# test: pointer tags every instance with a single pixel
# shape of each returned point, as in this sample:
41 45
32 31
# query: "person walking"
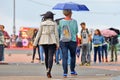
1 45
49 39
68 30
85 37
98 40
58 56
113 45
6 36
35 48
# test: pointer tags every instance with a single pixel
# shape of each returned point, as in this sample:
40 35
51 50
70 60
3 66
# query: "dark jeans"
49 53
104 51
34 52
1 52
71 46
97 50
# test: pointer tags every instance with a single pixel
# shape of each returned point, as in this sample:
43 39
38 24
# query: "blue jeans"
71 46
69 58
58 55
1 52
85 58
41 53
78 51
97 50
104 51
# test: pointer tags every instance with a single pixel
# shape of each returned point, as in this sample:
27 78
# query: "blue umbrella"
71 6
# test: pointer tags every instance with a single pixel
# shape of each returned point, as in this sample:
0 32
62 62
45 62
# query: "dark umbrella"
116 30
57 20
71 6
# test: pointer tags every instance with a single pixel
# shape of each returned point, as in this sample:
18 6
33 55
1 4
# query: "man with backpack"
85 43
113 45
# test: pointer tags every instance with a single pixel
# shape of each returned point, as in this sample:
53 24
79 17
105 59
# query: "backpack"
86 31
114 40
66 34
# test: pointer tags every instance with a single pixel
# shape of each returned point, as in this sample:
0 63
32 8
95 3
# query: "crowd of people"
64 39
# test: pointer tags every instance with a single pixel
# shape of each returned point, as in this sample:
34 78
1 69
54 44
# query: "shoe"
32 61
73 73
37 59
82 64
87 64
65 75
111 60
57 63
42 62
49 75
106 60
115 60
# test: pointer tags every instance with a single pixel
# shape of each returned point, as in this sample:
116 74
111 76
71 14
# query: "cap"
48 14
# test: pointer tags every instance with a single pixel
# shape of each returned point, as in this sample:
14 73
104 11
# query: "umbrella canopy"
108 33
57 20
116 30
71 6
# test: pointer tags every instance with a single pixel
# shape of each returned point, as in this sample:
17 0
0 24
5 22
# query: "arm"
38 36
56 35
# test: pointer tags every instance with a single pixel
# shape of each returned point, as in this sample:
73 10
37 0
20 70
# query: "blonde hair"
67 12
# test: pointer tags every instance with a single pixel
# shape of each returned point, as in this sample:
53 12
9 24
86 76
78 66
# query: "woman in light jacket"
48 39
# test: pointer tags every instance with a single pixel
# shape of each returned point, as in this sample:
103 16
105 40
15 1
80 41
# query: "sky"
103 14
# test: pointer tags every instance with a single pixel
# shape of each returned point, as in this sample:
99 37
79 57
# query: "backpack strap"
86 31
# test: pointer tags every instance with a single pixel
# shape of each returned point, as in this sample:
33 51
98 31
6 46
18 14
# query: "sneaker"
57 63
82 64
111 60
65 75
115 60
87 64
73 73
32 61
42 62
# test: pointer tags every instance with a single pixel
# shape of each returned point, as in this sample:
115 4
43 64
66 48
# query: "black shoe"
111 60
115 60
49 75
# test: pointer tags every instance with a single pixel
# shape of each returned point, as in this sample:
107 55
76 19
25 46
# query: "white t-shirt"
85 36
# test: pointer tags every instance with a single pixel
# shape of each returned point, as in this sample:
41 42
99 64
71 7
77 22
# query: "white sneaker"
42 62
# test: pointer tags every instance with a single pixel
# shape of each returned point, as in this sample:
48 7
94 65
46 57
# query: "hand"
34 46
57 47
78 45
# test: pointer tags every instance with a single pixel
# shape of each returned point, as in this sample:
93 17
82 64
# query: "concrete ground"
19 67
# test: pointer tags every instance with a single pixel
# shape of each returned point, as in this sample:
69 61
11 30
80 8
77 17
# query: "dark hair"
44 18
99 33
48 15
83 23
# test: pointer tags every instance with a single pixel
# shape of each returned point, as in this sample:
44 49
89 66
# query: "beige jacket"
47 34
